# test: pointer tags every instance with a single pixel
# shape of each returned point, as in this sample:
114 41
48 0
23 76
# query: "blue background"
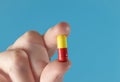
94 42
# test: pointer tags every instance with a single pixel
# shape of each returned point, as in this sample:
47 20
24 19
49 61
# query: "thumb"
55 71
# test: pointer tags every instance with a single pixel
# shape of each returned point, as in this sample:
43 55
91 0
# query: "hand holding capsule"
27 60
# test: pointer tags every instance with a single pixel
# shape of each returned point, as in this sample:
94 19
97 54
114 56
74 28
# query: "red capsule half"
62 54
62 48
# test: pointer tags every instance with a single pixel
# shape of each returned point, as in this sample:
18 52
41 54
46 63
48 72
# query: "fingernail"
63 24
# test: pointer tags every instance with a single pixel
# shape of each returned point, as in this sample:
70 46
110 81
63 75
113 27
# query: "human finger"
55 71
32 43
16 64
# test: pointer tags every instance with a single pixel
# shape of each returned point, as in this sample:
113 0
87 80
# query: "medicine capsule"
62 48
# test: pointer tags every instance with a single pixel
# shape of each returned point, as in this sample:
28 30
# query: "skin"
28 59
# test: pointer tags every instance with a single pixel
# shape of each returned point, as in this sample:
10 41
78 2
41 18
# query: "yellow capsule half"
61 41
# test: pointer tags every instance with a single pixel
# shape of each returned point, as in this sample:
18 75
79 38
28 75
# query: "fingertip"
61 28
60 67
54 71
63 65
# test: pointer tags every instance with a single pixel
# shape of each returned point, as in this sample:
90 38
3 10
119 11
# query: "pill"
62 48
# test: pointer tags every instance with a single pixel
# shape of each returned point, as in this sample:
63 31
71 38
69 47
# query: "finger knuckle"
19 58
32 36
31 33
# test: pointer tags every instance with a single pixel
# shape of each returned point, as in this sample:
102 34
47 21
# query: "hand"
28 59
